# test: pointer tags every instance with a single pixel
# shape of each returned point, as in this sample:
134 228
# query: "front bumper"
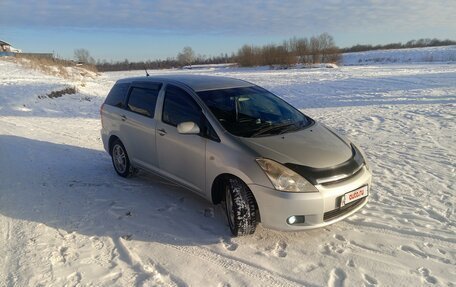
319 208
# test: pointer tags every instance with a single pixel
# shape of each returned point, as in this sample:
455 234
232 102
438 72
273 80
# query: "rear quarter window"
116 96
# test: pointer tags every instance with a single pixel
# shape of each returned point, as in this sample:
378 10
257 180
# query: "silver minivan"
235 143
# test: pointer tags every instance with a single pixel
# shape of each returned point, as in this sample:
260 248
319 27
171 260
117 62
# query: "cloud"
236 17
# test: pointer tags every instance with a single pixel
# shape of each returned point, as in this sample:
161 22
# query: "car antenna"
147 74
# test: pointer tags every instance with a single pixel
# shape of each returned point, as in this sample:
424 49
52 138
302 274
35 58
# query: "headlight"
283 178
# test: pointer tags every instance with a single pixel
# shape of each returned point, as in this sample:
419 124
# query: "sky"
158 29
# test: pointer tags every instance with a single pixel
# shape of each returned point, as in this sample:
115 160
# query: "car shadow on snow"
76 189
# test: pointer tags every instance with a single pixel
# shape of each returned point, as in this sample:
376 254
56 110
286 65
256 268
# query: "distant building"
6 47
7 50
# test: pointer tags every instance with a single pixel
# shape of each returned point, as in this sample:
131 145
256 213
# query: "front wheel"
240 207
120 159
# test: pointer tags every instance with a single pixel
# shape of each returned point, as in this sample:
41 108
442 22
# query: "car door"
181 156
140 124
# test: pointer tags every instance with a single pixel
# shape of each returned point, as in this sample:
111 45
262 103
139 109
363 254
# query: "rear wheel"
120 159
240 207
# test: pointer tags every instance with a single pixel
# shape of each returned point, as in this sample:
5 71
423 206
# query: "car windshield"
253 112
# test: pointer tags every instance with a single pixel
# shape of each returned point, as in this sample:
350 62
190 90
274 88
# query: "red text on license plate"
353 195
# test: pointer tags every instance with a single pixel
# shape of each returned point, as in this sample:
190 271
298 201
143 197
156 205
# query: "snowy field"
413 55
66 218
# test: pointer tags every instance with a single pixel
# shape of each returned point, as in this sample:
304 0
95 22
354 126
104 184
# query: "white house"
6 47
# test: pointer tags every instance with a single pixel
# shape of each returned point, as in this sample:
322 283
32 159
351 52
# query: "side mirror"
188 128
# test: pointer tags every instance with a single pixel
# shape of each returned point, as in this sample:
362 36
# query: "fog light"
295 219
291 219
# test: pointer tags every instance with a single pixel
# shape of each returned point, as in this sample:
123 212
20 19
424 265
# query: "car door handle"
162 132
123 118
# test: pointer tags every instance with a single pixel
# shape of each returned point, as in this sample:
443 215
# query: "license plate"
354 195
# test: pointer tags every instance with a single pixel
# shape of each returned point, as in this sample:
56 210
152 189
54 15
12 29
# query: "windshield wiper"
294 127
268 129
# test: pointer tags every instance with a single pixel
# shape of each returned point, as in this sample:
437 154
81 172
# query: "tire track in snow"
412 234
268 277
260 274
145 272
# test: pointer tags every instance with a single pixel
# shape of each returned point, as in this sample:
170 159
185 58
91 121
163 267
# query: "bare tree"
83 56
315 50
328 49
299 47
186 57
247 56
320 49
276 55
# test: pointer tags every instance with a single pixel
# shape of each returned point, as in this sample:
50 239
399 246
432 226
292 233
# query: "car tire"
120 160
240 207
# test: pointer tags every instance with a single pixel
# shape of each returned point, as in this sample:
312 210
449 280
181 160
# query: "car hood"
315 146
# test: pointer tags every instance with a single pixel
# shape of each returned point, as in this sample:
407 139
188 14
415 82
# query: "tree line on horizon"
306 51
317 49
168 63
420 43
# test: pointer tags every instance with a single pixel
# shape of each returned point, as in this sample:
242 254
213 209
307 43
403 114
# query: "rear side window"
142 101
180 107
116 96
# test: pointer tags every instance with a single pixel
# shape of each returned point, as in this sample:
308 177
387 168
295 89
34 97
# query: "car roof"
196 82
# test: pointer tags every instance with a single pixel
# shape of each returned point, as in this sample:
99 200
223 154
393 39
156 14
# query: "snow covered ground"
66 218
412 55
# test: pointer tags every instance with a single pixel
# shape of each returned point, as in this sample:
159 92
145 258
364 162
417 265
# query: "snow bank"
413 55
